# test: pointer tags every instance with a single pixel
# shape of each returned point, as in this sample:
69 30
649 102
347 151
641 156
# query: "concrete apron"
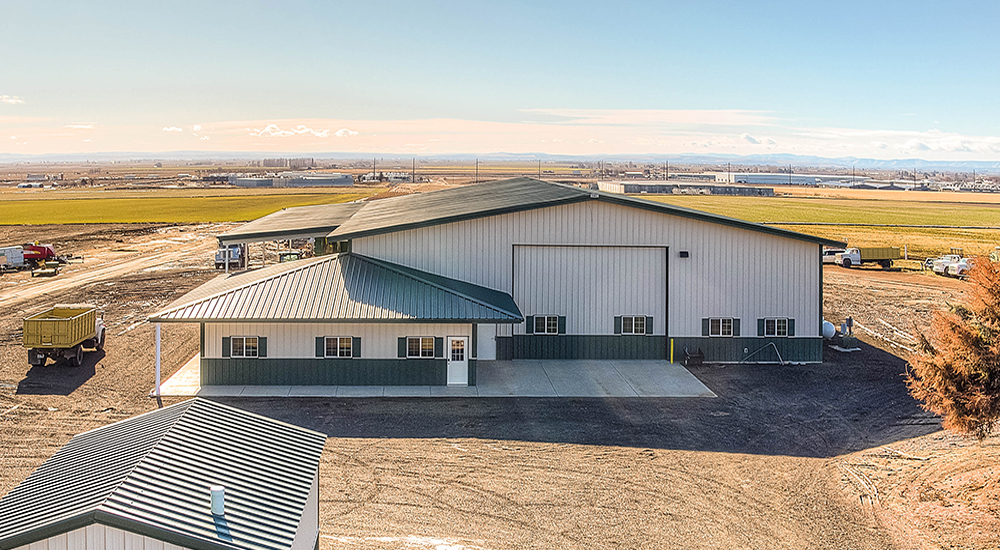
521 378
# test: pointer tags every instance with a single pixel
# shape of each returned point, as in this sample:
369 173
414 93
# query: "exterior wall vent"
218 500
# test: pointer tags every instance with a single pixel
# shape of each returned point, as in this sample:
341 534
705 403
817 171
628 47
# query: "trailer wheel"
100 341
847 263
77 359
886 264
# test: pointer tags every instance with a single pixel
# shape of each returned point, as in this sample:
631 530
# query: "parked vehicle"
860 256
11 258
61 333
236 255
289 256
830 255
995 255
960 268
944 261
36 254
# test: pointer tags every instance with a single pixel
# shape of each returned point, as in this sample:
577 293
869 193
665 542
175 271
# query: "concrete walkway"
550 378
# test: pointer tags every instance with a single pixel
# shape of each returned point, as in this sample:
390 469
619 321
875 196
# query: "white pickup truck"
940 264
959 269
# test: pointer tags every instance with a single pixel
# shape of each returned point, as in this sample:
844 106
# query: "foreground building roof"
151 475
293 223
513 195
341 288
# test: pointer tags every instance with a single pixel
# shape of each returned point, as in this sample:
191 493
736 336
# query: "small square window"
339 346
546 324
243 346
776 327
633 324
420 347
720 326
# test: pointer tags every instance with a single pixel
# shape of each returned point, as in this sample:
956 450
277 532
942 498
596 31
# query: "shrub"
956 373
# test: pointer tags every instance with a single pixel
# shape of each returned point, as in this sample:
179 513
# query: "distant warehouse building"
429 284
296 179
665 188
770 178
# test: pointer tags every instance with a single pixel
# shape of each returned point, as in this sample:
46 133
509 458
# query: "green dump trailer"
62 332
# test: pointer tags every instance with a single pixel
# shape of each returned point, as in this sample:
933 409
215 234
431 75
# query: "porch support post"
157 359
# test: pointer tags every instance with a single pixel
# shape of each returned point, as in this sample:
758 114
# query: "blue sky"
878 79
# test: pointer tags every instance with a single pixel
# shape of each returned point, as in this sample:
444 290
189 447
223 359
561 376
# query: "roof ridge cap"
391 267
317 260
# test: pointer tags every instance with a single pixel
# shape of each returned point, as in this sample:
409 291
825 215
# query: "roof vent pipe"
218 500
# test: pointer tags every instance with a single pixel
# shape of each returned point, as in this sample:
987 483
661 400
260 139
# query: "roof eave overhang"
510 320
459 218
258 236
48 530
712 218
139 528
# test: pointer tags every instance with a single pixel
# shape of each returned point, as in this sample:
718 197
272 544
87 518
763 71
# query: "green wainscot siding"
734 350
569 346
326 372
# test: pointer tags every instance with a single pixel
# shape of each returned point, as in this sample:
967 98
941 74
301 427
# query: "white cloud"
344 132
196 128
172 129
880 144
204 138
655 117
10 99
13 137
749 139
273 130
595 140
87 140
770 141
80 126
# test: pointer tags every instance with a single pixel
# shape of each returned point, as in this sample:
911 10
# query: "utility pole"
729 172
668 169
789 174
477 170
539 168
374 174
413 171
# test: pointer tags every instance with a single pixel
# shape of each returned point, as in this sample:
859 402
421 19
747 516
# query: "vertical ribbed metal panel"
731 272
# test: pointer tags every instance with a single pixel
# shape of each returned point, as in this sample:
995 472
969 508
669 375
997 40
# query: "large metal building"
543 271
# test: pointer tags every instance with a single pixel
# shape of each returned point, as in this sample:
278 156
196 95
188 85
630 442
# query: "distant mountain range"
708 159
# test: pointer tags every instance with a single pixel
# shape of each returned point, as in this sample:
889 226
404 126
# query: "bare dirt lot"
773 462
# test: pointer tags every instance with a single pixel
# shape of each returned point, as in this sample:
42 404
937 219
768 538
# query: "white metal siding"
591 285
731 272
298 340
308 529
100 537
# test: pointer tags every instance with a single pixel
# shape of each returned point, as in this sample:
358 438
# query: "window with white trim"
633 324
420 346
339 346
720 326
776 327
546 324
243 346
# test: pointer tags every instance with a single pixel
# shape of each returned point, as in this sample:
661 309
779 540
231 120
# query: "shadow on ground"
850 402
57 378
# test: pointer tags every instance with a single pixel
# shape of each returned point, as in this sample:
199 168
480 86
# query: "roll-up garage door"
591 285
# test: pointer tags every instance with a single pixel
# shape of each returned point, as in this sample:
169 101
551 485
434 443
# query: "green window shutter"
227 348
401 347
320 346
791 327
261 346
438 347
356 346
475 341
649 325
760 327
529 324
704 327
736 327
562 324
618 324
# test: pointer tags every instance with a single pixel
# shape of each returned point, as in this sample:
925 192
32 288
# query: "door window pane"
458 350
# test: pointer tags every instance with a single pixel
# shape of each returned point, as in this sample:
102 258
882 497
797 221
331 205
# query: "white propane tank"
829 331
218 500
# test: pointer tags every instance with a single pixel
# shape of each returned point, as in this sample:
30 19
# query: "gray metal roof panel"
341 288
296 222
513 195
151 475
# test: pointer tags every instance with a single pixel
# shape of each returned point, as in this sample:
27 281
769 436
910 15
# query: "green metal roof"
151 475
293 223
341 288
513 195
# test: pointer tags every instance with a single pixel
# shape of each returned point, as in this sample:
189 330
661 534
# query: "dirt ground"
785 457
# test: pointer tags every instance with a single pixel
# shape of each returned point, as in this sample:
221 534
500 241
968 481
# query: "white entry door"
458 361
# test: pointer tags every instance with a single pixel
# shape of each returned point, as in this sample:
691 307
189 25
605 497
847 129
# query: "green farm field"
158 206
920 242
